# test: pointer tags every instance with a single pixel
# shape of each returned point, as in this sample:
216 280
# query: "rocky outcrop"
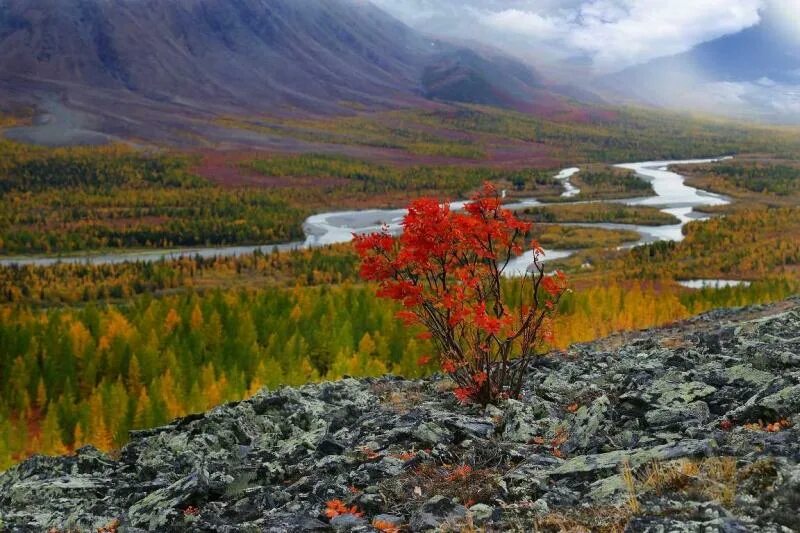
664 430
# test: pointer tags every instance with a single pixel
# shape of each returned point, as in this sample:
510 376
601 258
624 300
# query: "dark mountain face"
245 52
117 58
748 55
465 76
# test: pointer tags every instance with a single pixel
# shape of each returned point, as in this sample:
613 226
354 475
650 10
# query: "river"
672 195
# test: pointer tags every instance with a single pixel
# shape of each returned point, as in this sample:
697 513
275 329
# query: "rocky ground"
689 428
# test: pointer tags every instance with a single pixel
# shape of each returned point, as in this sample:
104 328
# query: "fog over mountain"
144 67
754 73
736 57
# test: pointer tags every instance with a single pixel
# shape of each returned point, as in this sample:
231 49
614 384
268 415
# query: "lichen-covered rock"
611 461
785 402
692 413
161 507
432 434
673 391
349 522
524 421
482 513
435 512
588 420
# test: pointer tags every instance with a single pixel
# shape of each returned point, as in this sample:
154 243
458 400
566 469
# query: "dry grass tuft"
585 520
465 525
714 479
674 343
463 482
446 385
630 485
398 398
757 477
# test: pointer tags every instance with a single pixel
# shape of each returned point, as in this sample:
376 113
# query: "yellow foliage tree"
52 441
143 417
169 395
196 318
172 320
100 436
80 338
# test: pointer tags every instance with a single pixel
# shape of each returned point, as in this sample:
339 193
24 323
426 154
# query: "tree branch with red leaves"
447 270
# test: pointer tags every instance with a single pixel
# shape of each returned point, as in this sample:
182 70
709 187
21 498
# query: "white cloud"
620 33
785 15
613 34
573 40
526 23
776 102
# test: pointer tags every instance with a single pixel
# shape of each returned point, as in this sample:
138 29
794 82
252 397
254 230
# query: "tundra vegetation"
149 342
93 351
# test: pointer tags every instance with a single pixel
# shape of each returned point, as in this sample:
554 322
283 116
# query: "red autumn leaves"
334 508
446 269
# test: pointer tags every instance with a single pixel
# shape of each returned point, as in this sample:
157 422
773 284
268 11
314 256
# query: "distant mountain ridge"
752 73
129 62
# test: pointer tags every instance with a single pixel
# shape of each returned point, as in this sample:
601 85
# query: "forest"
752 181
85 343
604 183
754 244
610 184
75 199
766 177
474 133
68 283
365 177
748 245
88 374
93 351
599 212
79 199
385 130
619 135
68 200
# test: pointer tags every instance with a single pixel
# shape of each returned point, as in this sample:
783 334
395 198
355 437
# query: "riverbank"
673 197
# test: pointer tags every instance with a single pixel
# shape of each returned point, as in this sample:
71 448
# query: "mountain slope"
755 72
129 63
284 51
694 398
466 76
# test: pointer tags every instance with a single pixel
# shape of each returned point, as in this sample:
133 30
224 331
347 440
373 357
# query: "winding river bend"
672 196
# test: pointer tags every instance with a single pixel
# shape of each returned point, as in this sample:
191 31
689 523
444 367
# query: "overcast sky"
602 35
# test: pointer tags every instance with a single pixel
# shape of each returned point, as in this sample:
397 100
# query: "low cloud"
526 23
581 41
621 33
772 102
610 34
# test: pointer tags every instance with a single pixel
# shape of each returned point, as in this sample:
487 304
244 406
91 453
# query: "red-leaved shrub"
334 508
447 271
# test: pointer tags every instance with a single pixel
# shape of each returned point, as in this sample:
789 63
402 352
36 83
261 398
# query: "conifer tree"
52 438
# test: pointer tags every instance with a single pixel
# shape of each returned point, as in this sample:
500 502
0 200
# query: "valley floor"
686 428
